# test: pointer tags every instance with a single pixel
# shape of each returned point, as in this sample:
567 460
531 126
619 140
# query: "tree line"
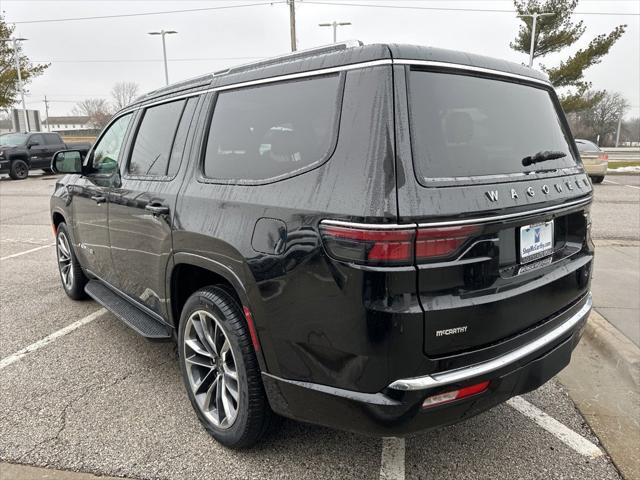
100 110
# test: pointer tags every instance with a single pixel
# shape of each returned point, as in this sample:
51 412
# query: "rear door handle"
98 199
156 208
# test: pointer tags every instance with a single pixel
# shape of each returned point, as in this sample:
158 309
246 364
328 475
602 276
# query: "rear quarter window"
272 131
469 126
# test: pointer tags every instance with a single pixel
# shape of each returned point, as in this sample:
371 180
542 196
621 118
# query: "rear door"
37 151
502 244
142 205
53 142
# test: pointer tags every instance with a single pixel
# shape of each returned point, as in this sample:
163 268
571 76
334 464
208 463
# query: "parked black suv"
21 152
379 238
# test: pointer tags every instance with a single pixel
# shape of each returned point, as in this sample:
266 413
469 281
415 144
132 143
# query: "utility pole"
618 132
16 56
46 110
534 17
335 26
292 24
164 51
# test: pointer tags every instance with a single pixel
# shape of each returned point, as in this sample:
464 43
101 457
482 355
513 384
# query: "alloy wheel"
64 260
211 369
21 170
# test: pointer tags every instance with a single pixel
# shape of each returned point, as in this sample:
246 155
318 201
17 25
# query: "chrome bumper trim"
459 375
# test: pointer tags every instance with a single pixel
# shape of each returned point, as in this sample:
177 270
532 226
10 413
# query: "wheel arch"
189 272
20 156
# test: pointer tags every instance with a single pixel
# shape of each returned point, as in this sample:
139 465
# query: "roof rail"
309 52
173 87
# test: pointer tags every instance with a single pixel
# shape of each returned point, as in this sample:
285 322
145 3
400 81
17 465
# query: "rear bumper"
397 410
597 168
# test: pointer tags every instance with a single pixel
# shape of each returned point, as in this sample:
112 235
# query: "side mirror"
67 161
32 144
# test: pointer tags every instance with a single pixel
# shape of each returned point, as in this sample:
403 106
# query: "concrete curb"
612 342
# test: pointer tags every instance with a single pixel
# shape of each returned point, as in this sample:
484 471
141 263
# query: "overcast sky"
88 56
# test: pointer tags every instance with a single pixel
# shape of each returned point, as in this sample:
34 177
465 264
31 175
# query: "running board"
141 322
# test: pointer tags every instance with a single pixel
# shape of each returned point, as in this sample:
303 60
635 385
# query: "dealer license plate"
536 241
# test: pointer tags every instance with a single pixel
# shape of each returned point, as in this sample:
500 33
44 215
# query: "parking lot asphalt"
100 399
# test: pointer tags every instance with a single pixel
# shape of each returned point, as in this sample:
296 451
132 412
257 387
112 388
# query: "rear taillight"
447 397
369 246
401 246
441 242
604 157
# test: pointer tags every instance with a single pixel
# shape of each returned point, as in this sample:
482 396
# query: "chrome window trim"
311 73
341 68
448 223
262 81
457 66
462 374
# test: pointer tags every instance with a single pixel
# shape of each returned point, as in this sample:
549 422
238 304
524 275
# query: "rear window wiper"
542 157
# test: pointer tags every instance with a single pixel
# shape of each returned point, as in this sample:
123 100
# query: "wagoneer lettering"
336 234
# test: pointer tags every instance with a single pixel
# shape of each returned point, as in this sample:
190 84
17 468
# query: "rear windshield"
586 146
464 126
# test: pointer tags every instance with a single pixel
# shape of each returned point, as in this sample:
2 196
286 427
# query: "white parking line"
392 459
621 184
27 251
14 357
572 439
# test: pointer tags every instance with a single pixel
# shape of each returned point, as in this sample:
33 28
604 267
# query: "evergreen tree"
8 74
555 33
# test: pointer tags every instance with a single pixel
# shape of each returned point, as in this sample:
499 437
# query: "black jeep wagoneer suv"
379 238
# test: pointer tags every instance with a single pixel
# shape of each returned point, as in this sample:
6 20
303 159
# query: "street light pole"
16 56
534 17
335 26
292 24
164 51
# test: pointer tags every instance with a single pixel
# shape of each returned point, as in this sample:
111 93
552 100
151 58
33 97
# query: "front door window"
107 150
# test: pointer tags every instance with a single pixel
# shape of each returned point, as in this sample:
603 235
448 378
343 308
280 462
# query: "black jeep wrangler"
380 238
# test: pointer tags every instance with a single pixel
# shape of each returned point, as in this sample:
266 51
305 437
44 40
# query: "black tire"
75 280
254 416
597 178
19 170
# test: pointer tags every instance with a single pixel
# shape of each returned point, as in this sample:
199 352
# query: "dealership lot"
101 399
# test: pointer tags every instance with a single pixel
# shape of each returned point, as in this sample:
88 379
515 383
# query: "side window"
152 146
51 139
265 132
181 136
107 150
36 140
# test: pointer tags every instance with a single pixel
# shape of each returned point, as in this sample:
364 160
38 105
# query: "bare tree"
600 121
123 93
603 117
97 109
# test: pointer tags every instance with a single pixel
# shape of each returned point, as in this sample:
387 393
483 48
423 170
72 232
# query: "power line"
449 9
147 60
142 14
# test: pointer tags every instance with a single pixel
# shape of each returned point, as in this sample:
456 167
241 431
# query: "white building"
65 124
